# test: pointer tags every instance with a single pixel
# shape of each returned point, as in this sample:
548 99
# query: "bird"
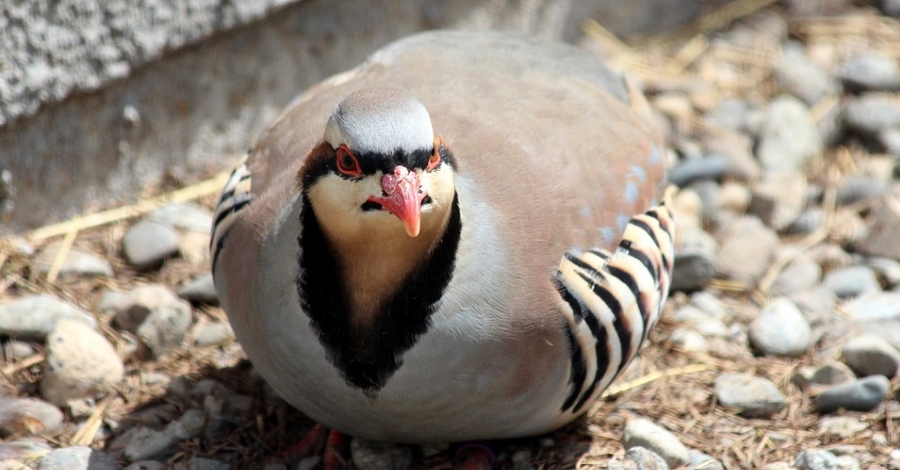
461 239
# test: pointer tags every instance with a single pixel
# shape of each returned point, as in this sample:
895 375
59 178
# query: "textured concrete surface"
51 48
99 99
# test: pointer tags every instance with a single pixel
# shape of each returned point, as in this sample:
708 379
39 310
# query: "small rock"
873 306
77 262
380 455
201 290
701 461
709 304
695 260
147 244
871 114
129 313
688 340
869 72
147 443
309 463
829 256
28 416
644 433
790 139
78 458
780 329
889 140
688 209
113 302
200 463
808 221
158 317
80 363
871 355
194 248
700 321
857 188
730 113
748 248
164 329
712 167
81 408
737 149
734 347
14 349
146 465
645 459
777 466
764 28
815 459
848 226
886 330
521 460
23 449
887 269
735 197
779 199
843 426
816 304
801 77
891 8
799 275
862 395
34 317
183 215
832 373
616 463
881 239
754 397
852 281
211 334
708 192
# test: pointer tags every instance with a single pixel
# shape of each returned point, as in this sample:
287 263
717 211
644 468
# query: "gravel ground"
779 349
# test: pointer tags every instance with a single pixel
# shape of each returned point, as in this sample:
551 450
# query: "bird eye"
434 161
347 162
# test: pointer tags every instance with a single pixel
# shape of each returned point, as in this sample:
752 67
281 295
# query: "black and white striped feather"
235 197
611 301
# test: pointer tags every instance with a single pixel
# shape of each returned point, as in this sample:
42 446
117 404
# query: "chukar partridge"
457 240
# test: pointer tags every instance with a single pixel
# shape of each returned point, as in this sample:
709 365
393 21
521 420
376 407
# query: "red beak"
403 198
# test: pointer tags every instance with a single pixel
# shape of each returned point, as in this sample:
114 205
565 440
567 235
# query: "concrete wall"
99 99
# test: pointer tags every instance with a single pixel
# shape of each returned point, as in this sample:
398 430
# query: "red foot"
335 450
335 447
311 444
474 456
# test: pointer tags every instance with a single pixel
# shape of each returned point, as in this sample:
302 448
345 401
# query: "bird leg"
335 451
312 443
474 456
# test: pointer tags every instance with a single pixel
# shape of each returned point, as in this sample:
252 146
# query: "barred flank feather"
611 301
235 196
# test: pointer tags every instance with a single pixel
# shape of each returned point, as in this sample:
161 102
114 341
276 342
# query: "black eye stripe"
372 163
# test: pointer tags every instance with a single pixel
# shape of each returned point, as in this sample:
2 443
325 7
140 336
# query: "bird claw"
474 456
312 443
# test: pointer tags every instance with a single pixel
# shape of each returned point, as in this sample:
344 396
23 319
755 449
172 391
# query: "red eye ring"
434 161
347 162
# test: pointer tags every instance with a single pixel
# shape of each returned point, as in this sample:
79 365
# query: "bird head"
380 169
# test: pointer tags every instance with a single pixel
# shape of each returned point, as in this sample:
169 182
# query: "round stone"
753 397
